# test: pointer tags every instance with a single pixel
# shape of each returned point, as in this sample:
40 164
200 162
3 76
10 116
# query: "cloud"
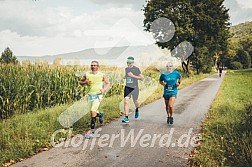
239 11
245 3
40 30
29 19
38 46
45 28
134 4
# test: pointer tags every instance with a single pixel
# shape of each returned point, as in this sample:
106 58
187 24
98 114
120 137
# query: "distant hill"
111 56
241 30
83 54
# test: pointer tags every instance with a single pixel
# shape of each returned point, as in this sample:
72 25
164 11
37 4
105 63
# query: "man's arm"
162 83
179 81
161 80
107 84
84 80
139 76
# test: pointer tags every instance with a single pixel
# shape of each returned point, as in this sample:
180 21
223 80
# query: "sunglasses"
93 65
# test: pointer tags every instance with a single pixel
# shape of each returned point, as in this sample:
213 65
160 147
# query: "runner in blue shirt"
170 79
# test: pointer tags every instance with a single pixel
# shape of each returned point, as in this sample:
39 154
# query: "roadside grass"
23 135
227 135
27 134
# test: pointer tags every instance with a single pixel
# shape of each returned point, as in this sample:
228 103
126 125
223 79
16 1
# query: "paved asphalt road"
154 142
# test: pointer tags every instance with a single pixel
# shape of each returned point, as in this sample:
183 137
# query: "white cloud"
25 18
35 30
245 3
239 11
37 46
32 28
134 4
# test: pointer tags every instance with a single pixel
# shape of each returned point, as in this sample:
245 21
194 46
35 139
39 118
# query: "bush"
207 68
8 57
243 57
236 65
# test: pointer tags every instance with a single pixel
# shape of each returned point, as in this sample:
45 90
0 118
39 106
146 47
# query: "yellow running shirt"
96 82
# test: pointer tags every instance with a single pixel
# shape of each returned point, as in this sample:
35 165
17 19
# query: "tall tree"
246 43
8 57
227 58
243 57
203 23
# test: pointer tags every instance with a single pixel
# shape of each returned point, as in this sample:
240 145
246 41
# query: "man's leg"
126 110
135 95
93 119
136 104
99 114
166 99
137 110
171 108
94 105
167 109
126 106
90 133
127 92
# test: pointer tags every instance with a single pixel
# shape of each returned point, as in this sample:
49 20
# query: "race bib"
93 97
170 88
129 80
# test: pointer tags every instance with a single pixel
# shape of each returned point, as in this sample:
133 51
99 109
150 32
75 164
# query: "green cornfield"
24 88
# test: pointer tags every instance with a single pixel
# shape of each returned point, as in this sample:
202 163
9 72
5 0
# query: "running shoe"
168 120
136 113
101 117
171 120
89 134
125 120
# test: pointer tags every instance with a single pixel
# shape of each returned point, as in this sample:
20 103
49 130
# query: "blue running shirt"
171 79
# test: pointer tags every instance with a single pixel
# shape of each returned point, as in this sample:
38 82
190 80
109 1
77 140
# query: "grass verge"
226 136
30 133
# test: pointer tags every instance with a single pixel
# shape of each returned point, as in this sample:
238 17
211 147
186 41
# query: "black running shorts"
134 92
167 97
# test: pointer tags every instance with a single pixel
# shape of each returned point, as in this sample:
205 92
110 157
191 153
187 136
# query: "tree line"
239 53
205 24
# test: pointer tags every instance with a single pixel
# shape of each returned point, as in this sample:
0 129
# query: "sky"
50 27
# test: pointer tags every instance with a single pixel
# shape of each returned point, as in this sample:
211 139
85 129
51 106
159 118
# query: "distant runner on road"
220 71
170 79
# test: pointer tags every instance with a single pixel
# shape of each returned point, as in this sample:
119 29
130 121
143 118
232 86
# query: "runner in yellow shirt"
94 80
